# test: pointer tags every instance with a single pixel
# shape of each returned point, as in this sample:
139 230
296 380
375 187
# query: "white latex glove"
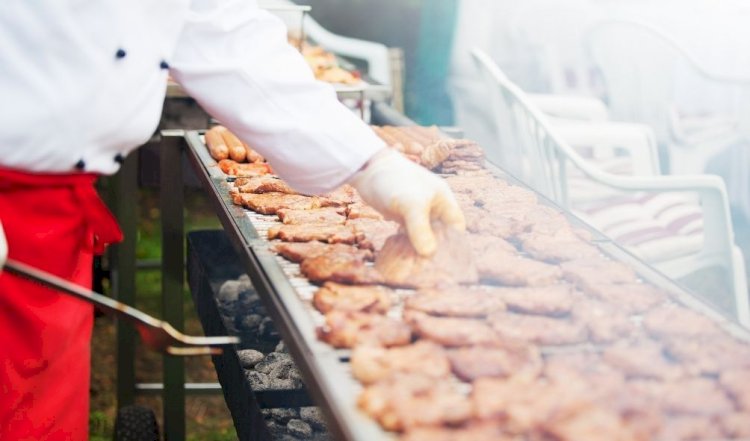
3 247
409 194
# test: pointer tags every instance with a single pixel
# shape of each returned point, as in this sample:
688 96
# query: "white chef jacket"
82 84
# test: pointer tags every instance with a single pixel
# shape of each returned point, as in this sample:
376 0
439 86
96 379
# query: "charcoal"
251 322
245 283
299 428
276 430
314 417
229 291
296 376
281 347
267 330
258 380
283 416
281 384
249 357
281 371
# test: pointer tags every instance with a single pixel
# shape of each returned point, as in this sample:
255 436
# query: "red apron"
55 223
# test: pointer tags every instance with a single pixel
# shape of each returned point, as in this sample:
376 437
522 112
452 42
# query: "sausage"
252 155
237 151
217 148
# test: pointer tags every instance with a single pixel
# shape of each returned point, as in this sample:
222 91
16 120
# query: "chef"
82 84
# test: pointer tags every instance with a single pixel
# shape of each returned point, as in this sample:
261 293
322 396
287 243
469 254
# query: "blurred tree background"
424 29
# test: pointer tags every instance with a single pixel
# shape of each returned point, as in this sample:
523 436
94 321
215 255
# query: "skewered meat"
350 329
538 329
270 203
674 320
372 233
410 400
263 184
299 251
586 273
372 363
642 359
344 267
552 300
508 359
452 263
476 431
737 384
632 298
328 216
606 322
310 232
451 332
334 296
455 302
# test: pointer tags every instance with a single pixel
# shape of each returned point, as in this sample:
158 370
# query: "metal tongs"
156 334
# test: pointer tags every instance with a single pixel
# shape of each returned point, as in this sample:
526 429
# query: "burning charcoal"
229 291
299 428
258 380
283 416
314 417
249 357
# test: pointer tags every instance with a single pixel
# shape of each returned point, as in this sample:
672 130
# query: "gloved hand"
3 247
409 194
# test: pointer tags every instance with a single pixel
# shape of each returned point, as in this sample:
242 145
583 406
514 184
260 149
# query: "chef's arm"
234 59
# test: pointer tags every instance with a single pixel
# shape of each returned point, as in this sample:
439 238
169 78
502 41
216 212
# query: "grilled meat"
350 329
538 329
508 268
685 428
736 425
475 431
672 320
343 196
328 216
508 359
270 203
455 302
310 232
606 322
372 233
346 267
737 384
588 273
642 359
334 296
299 251
558 247
631 298
373 363
263 184
552 300
451 332
362 211
708 355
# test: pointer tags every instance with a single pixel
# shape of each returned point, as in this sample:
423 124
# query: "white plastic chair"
638 63
548 159
375 54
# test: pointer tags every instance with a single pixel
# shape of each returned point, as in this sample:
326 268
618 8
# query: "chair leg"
742 301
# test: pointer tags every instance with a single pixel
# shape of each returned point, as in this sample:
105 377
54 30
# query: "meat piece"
452 263
372 233
631 298
263 184
350 329
558 247
406 401
372 363
692 396
538 329
435 153
593 424
215 143
737 384
562 367
455 302
474 185
709 355
299 251
310 232
481 222
482 244
477 431
552 300
674 320
345 267
736 425
451 332
642 359
508 268
344 195
362 211
335 296
270 203
233 168
508 359
688 428
328 216
586 273
606 322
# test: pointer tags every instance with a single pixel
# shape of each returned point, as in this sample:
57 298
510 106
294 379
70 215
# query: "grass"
207 416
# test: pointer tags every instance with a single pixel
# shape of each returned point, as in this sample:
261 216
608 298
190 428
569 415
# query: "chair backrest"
530 148
638 64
